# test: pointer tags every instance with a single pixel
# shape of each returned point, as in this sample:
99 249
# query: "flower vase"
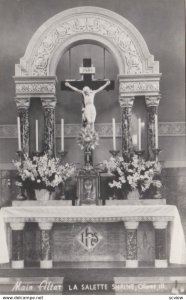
42 194
133 195
62 196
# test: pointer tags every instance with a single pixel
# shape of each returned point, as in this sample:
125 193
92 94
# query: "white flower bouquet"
135 174
43 172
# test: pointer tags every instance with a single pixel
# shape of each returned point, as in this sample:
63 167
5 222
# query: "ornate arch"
35 75
79 23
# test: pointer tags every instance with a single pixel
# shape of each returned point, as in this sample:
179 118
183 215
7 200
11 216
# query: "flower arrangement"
135 174
88 139
43 172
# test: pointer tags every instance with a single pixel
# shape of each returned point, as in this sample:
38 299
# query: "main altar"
96 234
44 225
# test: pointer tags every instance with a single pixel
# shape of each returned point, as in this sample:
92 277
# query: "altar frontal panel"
99 242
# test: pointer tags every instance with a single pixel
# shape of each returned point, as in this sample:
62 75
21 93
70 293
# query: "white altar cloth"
73 214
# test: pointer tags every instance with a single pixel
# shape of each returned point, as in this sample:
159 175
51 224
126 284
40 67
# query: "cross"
87 73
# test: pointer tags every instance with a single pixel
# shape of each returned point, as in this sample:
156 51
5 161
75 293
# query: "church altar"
163 217
89 231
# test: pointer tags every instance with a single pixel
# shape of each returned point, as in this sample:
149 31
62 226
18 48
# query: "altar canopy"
138 72
177 253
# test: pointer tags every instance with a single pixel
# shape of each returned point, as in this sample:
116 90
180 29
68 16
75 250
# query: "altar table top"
74 214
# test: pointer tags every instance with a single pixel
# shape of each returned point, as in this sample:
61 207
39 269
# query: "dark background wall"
161 22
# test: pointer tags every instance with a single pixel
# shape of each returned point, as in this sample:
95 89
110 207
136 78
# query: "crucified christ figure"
88 110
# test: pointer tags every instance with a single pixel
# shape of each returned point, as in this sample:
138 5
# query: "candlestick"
114 152
139 134
156 153
37 153
134 139
19 133
156 131
62 185
37 141
114 133
62 154
62 135
20 155
140 153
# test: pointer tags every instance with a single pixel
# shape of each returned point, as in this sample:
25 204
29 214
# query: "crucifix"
88 87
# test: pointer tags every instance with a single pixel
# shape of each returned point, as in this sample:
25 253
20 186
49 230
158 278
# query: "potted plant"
134 176
43 174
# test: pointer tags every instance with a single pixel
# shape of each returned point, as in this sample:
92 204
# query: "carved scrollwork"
49 121
48 103
85 219
126 130
151 112
147 86
22 103
45 245
131 244
126 102
101 26
32 88
24 120
152 100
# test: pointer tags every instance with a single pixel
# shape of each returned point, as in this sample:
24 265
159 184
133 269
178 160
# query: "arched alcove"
87 23
68 102
138 73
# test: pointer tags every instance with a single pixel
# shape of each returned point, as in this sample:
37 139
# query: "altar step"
118 266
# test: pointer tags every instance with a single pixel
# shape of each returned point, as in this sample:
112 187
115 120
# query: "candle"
156 131
37 141
62 134
139 134
114 133
19 133
134 139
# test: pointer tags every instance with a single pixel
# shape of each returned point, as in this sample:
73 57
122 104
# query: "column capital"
17 226
152 100
160 224
131 225
22 103
49 102
45 225
126 102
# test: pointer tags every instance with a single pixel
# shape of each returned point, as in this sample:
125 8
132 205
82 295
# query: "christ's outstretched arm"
73 88
102 87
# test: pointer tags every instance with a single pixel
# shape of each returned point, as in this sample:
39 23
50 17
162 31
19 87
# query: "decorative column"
152 103
49 105
23 105
160 244
46 253
131 242
126 104
17 245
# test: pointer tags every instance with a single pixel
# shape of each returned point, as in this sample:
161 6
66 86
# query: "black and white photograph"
92 148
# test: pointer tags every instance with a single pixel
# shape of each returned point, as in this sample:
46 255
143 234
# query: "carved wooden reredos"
35 75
